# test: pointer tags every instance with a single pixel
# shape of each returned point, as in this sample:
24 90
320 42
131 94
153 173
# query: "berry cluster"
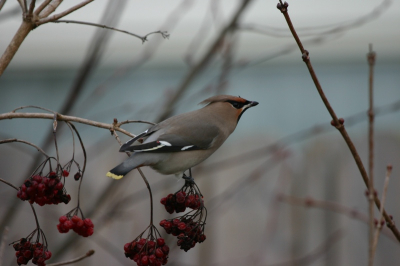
26 251
188 231
181 200
44 189
147 252
81 227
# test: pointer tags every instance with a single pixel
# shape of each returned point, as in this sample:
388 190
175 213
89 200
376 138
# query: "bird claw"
189 180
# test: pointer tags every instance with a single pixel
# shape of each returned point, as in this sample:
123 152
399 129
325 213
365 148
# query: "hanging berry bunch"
81 226
188 228
150 250
45 188
27 250
187 197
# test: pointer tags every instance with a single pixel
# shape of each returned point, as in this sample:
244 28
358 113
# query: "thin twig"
134 121
26 142
62 14
8 183
371 62
381 220
338 124
41 7
31 7
88 254
143 38
151 195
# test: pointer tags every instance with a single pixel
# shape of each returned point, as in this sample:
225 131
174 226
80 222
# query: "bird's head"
231 107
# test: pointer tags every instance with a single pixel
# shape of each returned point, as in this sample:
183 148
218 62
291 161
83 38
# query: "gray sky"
66 44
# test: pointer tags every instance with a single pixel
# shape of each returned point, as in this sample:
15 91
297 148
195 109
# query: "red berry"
75 219
145 260
151 244
68 224
28 254
165 249
182 226
127 247
152 259
59 186
48 254
163 201
159 253
77 176
88 222
65 173
62 219
160 242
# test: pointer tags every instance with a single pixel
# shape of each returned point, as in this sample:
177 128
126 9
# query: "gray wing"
192 138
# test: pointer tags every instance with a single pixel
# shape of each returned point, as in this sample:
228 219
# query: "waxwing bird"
183 141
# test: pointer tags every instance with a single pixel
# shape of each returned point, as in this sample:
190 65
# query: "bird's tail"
125 167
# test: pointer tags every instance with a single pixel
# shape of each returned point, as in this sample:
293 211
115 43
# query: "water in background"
288 99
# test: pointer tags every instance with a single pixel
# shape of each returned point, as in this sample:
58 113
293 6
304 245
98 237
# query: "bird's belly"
179 162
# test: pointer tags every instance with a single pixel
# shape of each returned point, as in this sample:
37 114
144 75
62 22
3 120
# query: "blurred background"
283 153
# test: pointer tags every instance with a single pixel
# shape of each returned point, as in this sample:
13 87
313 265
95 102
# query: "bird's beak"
253 103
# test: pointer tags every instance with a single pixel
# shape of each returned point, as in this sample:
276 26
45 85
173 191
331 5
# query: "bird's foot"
189 180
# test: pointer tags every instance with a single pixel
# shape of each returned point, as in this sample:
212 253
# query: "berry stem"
151 197
84 161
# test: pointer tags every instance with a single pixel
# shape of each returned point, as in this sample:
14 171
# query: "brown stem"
41 7
338 124
381 221
26 142
371 62
31 7
88 254
151 195
14 45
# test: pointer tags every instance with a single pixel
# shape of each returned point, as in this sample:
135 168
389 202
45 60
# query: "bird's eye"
237 105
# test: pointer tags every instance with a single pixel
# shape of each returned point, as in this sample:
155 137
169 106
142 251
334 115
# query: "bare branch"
88 254
61 117
336 122
164 34
14 45
62 14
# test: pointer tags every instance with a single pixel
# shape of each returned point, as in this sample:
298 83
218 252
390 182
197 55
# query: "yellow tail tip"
114 176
